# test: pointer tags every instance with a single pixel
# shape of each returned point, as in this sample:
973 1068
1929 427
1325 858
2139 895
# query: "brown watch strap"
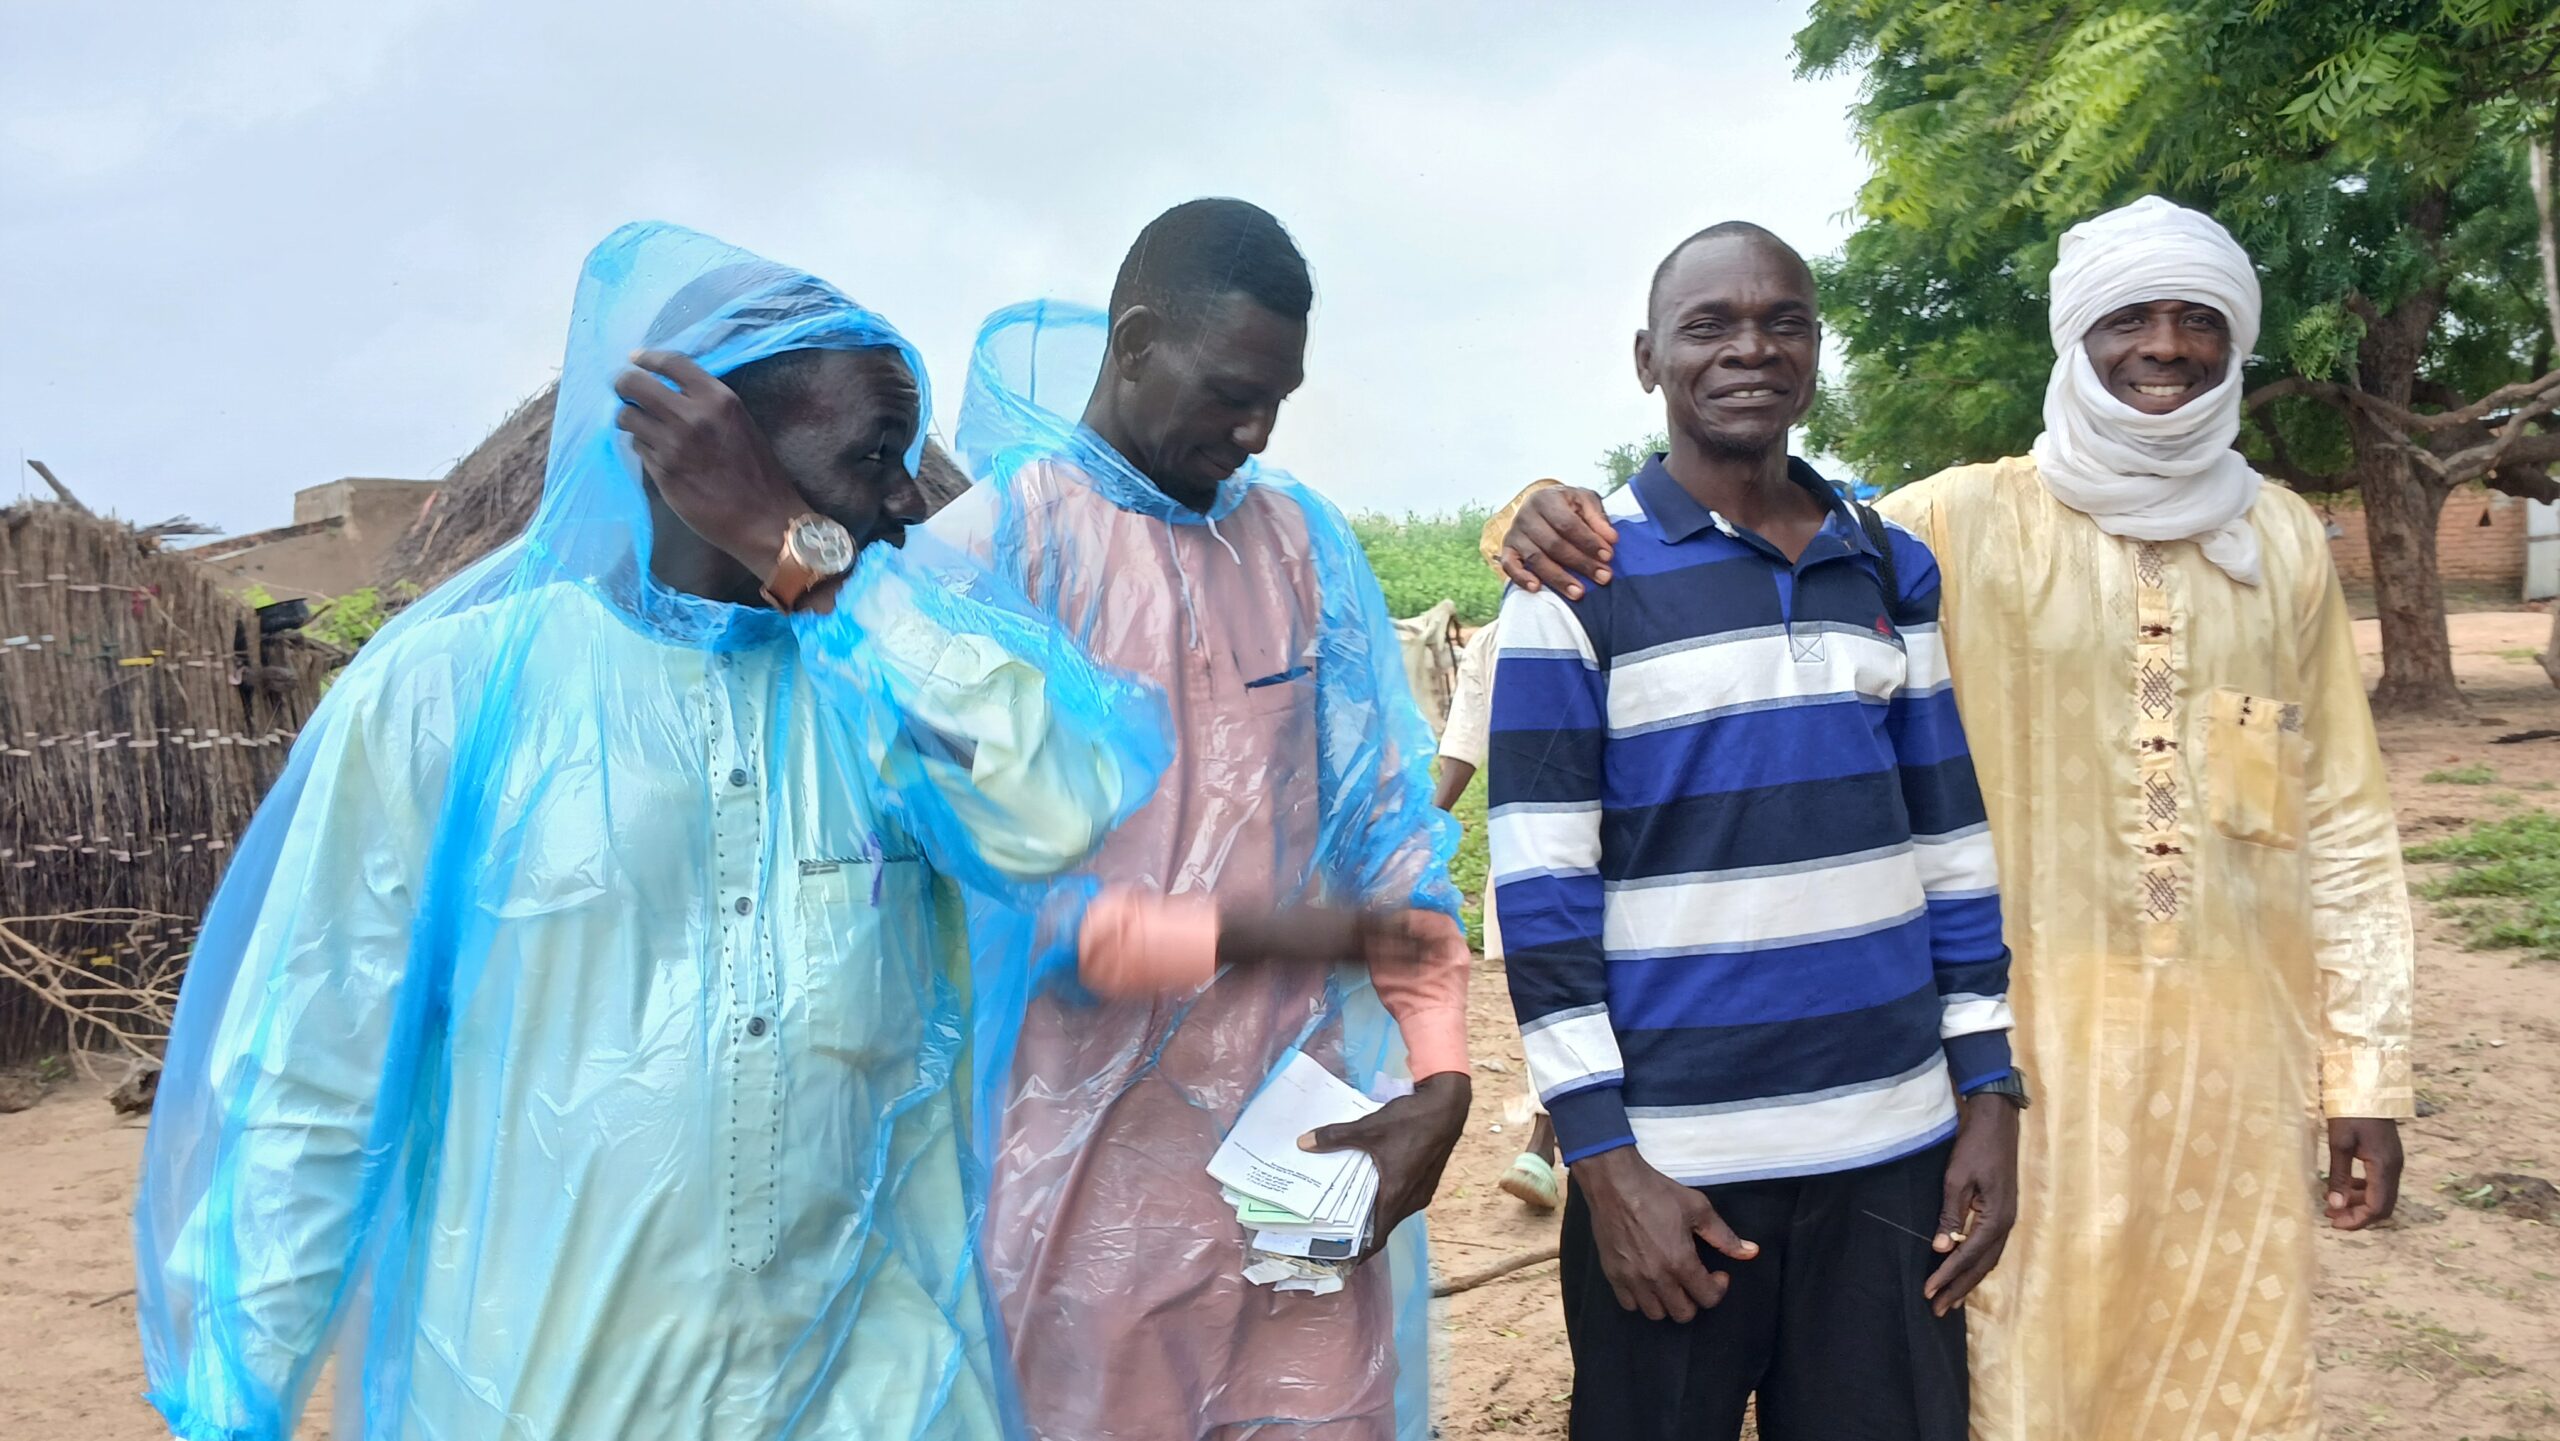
789 587
795 585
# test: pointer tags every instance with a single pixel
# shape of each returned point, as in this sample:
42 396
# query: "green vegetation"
2436 1352
1619 463
2470 775
1423 560
1469 866
350 620
2505 883
346 622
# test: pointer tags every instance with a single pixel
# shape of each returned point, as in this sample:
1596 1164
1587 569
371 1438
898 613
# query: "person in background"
1532 1177
1753 928
2206 895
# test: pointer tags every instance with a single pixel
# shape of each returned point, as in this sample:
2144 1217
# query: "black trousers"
1826 1325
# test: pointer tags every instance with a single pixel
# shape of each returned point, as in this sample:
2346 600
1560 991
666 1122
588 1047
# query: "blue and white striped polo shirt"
1746 888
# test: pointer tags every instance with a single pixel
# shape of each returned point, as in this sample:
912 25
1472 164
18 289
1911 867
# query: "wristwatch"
2011 1087
815 552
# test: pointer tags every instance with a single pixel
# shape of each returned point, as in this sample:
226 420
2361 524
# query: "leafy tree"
2373 156
1619 463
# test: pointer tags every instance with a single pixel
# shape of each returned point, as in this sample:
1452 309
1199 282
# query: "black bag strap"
1873 524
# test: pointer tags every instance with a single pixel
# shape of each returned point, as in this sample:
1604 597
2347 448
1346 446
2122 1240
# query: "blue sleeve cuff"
1590 1121
1977 1060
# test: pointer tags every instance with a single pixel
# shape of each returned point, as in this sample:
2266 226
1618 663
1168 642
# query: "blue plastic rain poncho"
1301 772
578 1041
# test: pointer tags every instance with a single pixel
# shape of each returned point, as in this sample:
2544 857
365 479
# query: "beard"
1736 444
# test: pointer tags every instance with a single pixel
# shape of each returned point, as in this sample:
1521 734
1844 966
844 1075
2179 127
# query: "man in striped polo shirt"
1752 923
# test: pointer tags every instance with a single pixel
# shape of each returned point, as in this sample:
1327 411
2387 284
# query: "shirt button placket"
754 1113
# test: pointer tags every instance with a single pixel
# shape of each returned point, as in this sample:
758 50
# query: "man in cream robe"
2211 935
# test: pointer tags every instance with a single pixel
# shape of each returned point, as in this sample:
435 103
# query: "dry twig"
1495 1272
61 492
119 1001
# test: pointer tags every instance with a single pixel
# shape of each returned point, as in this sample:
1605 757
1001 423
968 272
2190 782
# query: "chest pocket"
864 929
1278 690
2254 761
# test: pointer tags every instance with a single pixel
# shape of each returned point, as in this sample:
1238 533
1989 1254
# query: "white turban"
2151 477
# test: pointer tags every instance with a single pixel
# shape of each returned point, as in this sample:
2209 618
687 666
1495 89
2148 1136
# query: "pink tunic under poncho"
1116 1261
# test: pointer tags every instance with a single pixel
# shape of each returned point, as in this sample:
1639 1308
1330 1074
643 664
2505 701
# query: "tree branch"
2378 414
61 492
2525 470
2527 397
2525 482
2328 392
2510 444
2484 452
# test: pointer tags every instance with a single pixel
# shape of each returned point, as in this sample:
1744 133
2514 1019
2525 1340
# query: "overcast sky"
248 248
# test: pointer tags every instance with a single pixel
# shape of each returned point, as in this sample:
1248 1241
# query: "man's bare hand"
1647 1228
1981 1205
1410 1138
2364 1171
1561 535
709 459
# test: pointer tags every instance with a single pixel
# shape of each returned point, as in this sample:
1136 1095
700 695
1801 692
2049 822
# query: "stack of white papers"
1308 1210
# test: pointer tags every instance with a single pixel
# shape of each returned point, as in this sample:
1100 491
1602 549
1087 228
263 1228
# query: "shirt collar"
1679 516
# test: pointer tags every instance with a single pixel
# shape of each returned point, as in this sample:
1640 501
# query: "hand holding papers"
1308 1210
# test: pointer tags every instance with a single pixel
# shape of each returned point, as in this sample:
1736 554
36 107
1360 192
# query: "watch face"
823 545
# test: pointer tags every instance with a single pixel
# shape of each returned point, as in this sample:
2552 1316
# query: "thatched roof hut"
143 712
490 496
484 501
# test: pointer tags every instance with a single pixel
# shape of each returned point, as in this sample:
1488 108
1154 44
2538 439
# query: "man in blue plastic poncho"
1300 773
579 1037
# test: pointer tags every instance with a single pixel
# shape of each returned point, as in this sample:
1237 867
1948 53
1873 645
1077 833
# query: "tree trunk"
2401 504
2539 156
2400 512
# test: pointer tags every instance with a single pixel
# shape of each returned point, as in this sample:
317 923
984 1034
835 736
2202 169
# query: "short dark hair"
1200 251
1721 230
772 387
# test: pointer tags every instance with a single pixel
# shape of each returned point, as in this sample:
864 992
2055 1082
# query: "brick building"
2481 538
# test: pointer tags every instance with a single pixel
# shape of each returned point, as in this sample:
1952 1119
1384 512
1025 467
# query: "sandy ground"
2445 1326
